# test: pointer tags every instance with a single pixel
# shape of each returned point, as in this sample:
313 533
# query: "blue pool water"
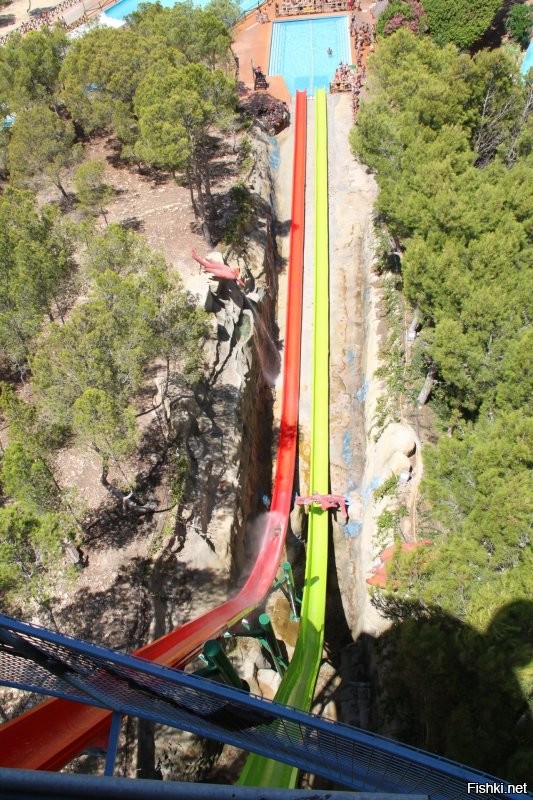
527 63
299 51
124 7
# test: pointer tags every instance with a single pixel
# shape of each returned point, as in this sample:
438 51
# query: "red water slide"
54 732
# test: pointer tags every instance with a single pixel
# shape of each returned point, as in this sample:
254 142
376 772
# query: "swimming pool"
121 9
527 63
299 51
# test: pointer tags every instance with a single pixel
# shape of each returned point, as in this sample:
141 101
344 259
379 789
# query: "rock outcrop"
226 425
226 428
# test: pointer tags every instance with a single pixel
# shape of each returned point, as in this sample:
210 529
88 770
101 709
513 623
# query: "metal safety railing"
24 784
40 660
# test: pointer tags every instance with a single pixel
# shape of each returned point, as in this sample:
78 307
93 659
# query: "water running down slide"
53 733
298 685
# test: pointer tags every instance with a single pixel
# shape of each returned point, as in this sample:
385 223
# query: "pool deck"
251 38
252 43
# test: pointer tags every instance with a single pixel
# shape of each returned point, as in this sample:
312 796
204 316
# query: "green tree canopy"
176 108
519 22
42 144
104 345
36 267
119 250
28 479
27 468
30 547
228 11
449 138
107 341
199 35
101 422
29 67
460 22
465 230
100 75
402 14
92 193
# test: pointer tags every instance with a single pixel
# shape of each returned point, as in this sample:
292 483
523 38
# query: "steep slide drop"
53 733
297 687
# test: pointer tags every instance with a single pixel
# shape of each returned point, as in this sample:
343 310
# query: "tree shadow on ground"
174 588
110 526
148 598
113 617
258 228
337 634
132 224
282 228
434 682
441 685
116 160
223 159
39 12
494 35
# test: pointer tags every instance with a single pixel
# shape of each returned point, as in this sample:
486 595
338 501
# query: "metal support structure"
325 501
18 784
112 745
293 598
36 659
266 637
208 671
272 643
217 659
286 585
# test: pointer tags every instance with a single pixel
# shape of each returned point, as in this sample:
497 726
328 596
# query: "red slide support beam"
56 731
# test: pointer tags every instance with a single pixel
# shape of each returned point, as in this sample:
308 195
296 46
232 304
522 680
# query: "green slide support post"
298 685
217 659
286 586
265 636
272 643
291 591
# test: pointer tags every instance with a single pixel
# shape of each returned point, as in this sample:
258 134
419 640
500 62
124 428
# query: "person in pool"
330 51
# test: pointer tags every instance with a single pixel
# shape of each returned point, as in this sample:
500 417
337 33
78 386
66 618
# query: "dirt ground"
158 207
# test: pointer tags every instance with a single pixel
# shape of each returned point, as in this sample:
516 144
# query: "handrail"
287 9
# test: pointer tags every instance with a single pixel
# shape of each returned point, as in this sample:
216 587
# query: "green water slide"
298 685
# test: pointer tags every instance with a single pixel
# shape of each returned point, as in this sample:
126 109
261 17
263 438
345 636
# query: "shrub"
518 23
460 22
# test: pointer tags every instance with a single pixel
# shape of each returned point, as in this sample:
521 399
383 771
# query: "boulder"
268 681
396 464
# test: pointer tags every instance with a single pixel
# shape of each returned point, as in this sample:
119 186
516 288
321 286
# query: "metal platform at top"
28 785
40 660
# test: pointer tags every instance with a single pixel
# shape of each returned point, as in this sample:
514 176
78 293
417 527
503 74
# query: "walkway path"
19 12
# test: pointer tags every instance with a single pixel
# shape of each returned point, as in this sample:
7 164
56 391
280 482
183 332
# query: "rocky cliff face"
225 430
227 425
